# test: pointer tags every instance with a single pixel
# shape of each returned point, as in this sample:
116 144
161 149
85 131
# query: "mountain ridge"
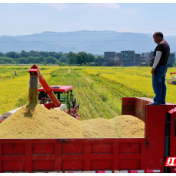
95 42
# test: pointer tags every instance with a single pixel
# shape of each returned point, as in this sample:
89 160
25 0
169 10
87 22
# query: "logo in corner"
170 162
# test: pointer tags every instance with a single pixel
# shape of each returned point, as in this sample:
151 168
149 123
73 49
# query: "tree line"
42 57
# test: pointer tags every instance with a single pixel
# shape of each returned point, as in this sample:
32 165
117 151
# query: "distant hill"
96 42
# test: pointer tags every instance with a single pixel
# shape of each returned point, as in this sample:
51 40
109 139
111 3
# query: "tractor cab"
64 94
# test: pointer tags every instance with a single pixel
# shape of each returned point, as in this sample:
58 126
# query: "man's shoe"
153 103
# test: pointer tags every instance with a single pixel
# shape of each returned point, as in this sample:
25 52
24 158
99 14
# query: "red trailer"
147 154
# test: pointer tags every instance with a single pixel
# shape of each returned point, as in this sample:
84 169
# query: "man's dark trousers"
158 83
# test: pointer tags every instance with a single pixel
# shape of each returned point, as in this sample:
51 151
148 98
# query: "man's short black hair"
158 34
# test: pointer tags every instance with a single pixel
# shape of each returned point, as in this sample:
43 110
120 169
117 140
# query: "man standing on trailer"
159 68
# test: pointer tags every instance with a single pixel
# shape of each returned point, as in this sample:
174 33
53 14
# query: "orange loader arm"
34 71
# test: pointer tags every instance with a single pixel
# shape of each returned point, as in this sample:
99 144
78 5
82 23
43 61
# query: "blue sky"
30 18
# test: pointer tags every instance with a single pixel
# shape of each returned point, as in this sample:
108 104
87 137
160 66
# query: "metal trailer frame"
98 154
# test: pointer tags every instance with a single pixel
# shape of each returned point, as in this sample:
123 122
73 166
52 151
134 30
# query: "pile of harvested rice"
120 126
38 122
35 121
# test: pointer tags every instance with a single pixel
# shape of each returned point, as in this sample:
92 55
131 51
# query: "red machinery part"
48 90
34 71
77 116
1 121
74 112
59 88
33 81
173 73
48 105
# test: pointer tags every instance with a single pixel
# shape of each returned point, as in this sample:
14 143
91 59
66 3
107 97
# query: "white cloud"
104 5
65 6
125 30
59 6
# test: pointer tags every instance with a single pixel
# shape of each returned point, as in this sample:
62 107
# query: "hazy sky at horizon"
30 18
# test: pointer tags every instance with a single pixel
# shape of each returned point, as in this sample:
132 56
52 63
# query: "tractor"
173 81
65 95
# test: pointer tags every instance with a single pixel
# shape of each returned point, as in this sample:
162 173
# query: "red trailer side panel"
155 119
155 136
72 154
135 106
173 133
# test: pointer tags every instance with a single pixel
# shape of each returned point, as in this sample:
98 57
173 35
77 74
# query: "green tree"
53 54
81 57
150 63
1 54
44 54
90 57
58 55
50 60
2 60
12 54
23 60
44 63
32 53
63 59
31 60
37 60
24 54
17 55
41 58
6 60
72 57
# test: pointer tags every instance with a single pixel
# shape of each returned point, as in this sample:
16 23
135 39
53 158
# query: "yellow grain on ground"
35 121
